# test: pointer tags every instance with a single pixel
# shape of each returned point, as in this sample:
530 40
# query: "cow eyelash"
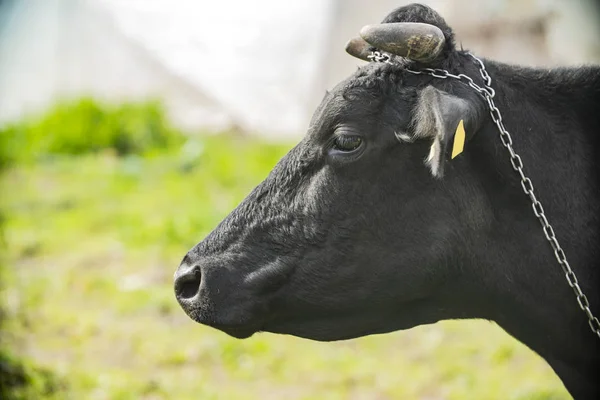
346 143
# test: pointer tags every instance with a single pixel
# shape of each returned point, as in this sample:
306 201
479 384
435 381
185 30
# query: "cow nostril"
187 285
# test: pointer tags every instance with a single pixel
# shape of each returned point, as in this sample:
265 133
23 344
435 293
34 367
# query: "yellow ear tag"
459 139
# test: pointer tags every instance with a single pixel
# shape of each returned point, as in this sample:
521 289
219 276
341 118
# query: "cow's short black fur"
338 245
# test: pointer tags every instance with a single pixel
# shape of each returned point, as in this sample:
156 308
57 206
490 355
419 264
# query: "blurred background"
130 128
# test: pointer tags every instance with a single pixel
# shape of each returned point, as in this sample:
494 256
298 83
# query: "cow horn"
413 40
358 48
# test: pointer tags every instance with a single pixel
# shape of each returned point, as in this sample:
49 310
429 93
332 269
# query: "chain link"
517 164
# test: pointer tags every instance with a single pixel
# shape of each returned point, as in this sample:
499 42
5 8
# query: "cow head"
363 227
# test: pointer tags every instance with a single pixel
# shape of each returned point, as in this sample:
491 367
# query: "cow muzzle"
211 295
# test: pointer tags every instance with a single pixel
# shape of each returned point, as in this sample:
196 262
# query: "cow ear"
444 119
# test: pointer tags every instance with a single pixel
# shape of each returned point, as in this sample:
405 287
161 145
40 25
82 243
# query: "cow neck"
539 308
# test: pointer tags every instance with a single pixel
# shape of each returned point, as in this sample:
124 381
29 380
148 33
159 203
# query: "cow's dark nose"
187 281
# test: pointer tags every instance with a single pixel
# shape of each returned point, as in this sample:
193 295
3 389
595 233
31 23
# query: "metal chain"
517 164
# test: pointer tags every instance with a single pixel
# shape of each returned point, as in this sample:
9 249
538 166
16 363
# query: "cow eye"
347 143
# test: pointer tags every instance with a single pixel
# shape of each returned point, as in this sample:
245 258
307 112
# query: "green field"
92 242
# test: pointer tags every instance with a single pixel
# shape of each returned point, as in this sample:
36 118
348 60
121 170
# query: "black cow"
369 225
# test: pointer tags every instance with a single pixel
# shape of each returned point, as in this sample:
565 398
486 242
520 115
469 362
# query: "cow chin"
237 332
321 331
351 324
331 330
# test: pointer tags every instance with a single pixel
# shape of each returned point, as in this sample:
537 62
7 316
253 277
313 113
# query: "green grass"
86 126
93 241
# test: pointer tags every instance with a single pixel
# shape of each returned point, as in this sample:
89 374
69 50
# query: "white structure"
259 65
54 49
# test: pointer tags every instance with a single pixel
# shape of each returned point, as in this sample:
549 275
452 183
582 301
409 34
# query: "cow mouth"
232 324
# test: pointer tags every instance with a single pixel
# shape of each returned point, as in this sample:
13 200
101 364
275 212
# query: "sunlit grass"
93 242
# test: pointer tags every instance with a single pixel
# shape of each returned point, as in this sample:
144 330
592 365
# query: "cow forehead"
361 97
